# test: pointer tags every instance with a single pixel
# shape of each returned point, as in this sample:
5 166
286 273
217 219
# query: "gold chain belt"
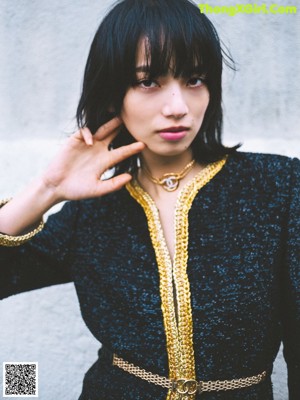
188 386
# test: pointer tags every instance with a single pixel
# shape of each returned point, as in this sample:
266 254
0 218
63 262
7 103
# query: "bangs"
164 55
168 50
175 39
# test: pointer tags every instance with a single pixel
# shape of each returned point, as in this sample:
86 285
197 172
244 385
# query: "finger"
107 128
83 134
113 184
77 135
109 138
121 153
87 136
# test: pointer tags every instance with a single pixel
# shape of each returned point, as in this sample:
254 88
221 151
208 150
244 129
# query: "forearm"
26 210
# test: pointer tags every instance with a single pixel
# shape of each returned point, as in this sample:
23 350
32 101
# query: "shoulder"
261 178
262 162
266 168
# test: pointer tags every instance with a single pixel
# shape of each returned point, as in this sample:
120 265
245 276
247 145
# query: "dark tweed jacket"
244 272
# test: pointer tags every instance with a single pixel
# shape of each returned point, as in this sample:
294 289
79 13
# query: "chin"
169 150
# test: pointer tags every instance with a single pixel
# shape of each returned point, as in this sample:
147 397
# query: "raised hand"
75 172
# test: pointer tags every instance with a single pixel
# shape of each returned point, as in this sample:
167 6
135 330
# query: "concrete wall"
43 48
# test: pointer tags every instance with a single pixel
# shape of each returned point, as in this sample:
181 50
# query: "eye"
147 83
195 81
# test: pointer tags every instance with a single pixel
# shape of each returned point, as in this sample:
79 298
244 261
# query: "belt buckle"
186 387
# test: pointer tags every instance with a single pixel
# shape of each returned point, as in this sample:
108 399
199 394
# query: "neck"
159 165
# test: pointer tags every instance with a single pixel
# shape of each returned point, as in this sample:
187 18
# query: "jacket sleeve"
42 261
291 282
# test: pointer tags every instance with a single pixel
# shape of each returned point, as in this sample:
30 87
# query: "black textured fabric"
243 267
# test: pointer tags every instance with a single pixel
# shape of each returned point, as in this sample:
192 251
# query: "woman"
189 274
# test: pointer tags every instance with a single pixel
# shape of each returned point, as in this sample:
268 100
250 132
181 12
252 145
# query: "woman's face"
165 113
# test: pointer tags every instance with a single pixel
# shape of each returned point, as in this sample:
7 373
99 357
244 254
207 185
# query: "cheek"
130 117
128 111
205 99
124 109
199 109
203 104
133 113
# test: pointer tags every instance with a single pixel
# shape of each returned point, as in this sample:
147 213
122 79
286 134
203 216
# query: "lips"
173 133
175 129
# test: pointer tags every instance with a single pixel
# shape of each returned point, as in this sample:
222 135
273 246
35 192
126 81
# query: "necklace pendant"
170 183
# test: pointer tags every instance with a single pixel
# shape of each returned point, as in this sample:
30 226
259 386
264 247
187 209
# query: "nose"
174 102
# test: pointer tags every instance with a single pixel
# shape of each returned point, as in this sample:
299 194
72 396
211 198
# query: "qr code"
20 379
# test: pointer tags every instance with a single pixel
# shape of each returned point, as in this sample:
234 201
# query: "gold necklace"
170 181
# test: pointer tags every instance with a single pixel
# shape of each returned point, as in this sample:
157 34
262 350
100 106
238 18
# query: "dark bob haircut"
178 35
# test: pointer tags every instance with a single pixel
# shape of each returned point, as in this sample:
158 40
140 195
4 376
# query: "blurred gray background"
43 47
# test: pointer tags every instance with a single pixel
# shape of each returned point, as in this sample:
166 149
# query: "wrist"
25 211
47 193
12 241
